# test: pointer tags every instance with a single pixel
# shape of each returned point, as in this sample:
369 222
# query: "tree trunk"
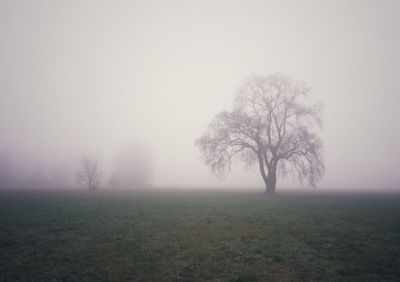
271 183
271 179
262 170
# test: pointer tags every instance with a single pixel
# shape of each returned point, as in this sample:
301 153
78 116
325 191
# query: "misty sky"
89 77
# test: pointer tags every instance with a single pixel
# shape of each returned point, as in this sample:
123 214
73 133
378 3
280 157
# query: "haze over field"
95 77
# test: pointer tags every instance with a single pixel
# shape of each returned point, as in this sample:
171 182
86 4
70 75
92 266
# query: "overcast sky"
91 76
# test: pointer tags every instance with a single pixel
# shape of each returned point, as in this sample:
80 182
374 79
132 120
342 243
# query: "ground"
198 236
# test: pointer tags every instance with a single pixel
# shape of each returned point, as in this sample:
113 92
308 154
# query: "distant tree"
272 125
89 174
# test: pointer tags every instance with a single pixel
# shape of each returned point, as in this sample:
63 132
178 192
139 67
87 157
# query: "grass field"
197 236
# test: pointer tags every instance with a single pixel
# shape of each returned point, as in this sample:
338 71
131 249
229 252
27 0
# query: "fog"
94 77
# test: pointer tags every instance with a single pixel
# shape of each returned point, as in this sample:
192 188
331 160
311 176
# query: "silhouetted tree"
271 125
89 174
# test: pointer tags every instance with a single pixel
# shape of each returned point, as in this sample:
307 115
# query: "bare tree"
271 125
89 174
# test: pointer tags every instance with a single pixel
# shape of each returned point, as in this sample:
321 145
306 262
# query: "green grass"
198 236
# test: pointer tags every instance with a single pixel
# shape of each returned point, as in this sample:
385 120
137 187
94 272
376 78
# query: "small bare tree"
271 125
89 174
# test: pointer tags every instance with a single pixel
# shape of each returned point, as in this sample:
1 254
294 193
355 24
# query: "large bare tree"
89 174
272 125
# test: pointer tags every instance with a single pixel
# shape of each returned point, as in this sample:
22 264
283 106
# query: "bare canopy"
272 125
89 174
